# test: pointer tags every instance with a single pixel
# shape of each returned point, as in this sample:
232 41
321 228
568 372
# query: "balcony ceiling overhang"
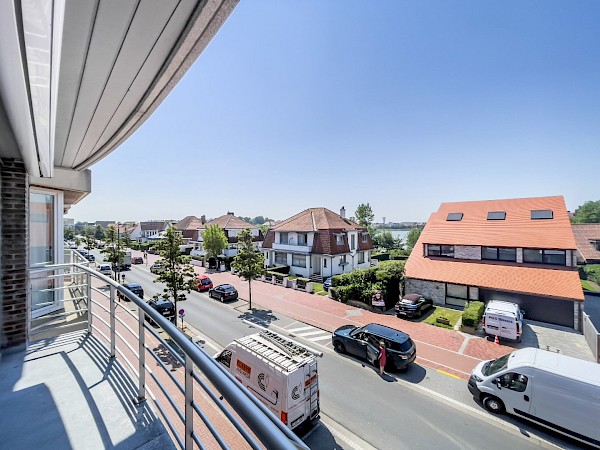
79 77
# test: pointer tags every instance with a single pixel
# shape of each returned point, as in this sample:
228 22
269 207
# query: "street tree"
69 234
364 214
113 249
412 237
589 212
178 275
249 264
214 240
89 242
99 233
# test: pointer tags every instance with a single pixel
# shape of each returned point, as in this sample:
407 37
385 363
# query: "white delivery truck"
503 319
553 390
279 371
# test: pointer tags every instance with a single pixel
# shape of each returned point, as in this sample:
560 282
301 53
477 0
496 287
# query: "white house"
318 243
231 226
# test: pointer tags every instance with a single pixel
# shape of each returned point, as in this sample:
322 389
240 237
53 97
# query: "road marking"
320 338
310 333
449 374
293 330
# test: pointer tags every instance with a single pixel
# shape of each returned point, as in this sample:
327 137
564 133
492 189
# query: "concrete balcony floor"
65 393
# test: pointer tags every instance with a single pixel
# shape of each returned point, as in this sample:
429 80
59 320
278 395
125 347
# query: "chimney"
343 212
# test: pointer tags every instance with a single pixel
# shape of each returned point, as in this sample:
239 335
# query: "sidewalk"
438 348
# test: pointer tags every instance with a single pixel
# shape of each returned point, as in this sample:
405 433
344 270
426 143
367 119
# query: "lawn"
452 315
317 287
588 286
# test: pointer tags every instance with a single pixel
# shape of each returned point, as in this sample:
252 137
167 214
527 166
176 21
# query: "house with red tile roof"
517 250
151 230
188 227
587 237
231 226
318 243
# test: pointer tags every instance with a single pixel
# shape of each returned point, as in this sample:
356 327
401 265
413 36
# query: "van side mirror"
497 382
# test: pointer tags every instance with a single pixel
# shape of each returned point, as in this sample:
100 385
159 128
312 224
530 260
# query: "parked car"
327 284
364 343
412 305
137 260
223 292
82 251
90 257
105 269
165 307
157 268
136 288
203 283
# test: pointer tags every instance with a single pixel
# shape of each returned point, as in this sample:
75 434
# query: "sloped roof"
154 225
517 230
313 219
584 233
188 223
230 222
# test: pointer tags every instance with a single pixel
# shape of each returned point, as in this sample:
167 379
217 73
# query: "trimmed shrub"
473 313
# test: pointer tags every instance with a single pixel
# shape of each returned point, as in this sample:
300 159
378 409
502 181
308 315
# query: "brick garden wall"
14 207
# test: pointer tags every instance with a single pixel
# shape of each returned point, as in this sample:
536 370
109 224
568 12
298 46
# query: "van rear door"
501 325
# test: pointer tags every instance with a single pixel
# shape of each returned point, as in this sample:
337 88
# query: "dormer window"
541 214
496 215
365 237
440 250
339 239
454 217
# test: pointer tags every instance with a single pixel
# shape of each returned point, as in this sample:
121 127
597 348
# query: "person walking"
382 357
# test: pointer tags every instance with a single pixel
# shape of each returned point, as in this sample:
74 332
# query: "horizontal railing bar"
101 306
170 424
101 333
127 327
167 370
169 397
210 427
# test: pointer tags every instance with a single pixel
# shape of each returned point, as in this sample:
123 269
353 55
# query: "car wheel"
222 298
339 347
493 404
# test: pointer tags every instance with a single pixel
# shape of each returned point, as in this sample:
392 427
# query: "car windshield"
356 332
133 286
496 365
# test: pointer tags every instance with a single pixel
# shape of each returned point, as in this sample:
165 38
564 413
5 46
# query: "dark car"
157 268
90 257
203 283
412 305
165 307
137 260
327 284
364 343
136 288
223 292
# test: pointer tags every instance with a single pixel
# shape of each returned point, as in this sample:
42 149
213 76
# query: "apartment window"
496 215
339 239
361 257
280 258
352 241
454 217
325 263
457 294
440 250
343 261
365 237
302 238
283 238
545 256
298 260
541 214
499 253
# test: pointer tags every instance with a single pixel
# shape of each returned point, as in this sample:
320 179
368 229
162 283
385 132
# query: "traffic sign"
181 313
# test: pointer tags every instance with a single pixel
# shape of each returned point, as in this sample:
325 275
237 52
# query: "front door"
514 389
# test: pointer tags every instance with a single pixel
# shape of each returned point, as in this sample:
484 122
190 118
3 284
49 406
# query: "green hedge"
590 272
473 313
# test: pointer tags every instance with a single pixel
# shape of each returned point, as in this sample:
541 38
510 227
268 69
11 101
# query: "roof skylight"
539 214
496 215
454 217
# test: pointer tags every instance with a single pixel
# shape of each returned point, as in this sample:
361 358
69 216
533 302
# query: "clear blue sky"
401 104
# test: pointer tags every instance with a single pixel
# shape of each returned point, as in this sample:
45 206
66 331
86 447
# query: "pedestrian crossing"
310 333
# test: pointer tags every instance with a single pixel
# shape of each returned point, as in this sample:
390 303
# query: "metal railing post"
189 401
113 321
88 293
141 358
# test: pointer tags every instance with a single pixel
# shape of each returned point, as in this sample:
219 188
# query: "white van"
503 319
280 372
553 390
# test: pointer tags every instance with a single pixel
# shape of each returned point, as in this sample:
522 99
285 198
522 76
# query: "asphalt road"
358 405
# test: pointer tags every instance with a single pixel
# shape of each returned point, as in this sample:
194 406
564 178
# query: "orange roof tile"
517 230
230 222
559 282
313 219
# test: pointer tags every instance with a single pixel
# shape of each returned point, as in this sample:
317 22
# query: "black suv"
364 343
136 288
412 305
165 307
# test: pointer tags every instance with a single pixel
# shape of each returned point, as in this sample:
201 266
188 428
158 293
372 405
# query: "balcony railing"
296 248
198 400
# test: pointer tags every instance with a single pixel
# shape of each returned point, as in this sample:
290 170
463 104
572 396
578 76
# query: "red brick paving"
438 348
